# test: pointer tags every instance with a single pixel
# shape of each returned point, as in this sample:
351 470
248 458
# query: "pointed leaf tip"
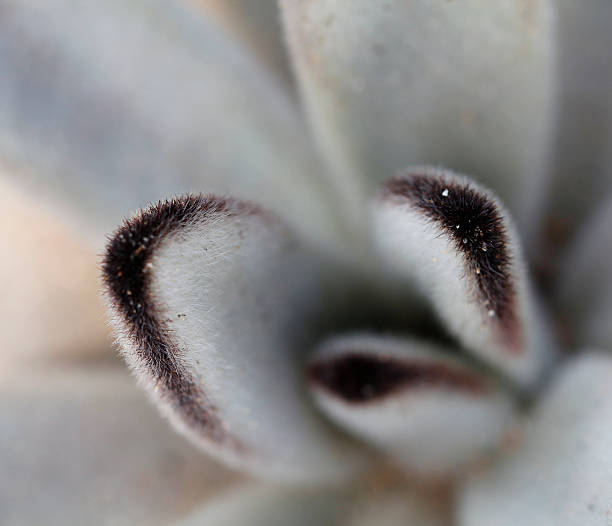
127 273
458 244
474 223
210 298
432 413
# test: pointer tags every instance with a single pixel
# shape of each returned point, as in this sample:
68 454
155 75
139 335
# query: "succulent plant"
374 278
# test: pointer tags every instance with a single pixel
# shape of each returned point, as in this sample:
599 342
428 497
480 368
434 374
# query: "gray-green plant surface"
371 275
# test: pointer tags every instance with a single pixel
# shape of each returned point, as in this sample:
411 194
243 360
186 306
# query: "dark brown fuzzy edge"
473 221
127 281
360 378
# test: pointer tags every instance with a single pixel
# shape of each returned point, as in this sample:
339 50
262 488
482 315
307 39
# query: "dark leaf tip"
361 378
473 221
126 274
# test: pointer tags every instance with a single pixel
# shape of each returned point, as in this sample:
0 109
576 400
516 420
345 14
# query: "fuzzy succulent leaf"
457 242
211 299
124 103
467 84
423 406
561 471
